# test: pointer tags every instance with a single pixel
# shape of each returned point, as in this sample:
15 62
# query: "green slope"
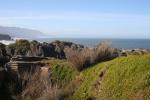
61 71
126 78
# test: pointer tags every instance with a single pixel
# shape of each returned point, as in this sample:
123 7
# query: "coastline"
7 42
122 44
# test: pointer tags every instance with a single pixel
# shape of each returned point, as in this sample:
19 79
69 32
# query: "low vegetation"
125 78
21 47
53 85
36 86
3 55
85 74
83 58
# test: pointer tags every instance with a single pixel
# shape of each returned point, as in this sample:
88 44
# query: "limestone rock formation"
54 49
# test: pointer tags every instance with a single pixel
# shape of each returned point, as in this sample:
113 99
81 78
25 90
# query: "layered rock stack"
20 64
54 49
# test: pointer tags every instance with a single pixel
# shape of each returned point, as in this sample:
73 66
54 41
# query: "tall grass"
38 87
82 58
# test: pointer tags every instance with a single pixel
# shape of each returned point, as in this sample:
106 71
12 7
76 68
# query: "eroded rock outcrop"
4 58
54 49
2 76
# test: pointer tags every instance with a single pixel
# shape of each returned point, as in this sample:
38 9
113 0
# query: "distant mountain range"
16 32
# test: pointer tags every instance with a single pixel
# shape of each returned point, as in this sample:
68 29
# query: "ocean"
116 43
90 42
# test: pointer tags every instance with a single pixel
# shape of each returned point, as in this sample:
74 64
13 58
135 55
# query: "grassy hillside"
61 71
126 78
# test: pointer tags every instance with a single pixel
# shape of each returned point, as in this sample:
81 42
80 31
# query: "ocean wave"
7 42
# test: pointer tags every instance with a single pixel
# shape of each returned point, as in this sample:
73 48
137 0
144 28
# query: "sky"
79 18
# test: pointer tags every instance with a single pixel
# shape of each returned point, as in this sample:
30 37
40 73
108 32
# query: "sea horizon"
121 43
115 42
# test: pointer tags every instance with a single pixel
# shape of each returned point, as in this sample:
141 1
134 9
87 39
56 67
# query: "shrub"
2 45
21 47
103 51
37 87
76 57
82 58
3 55
2 50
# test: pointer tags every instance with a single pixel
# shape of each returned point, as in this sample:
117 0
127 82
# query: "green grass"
126 78
63 74
61 71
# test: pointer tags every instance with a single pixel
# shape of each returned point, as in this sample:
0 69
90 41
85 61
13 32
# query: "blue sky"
79 18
